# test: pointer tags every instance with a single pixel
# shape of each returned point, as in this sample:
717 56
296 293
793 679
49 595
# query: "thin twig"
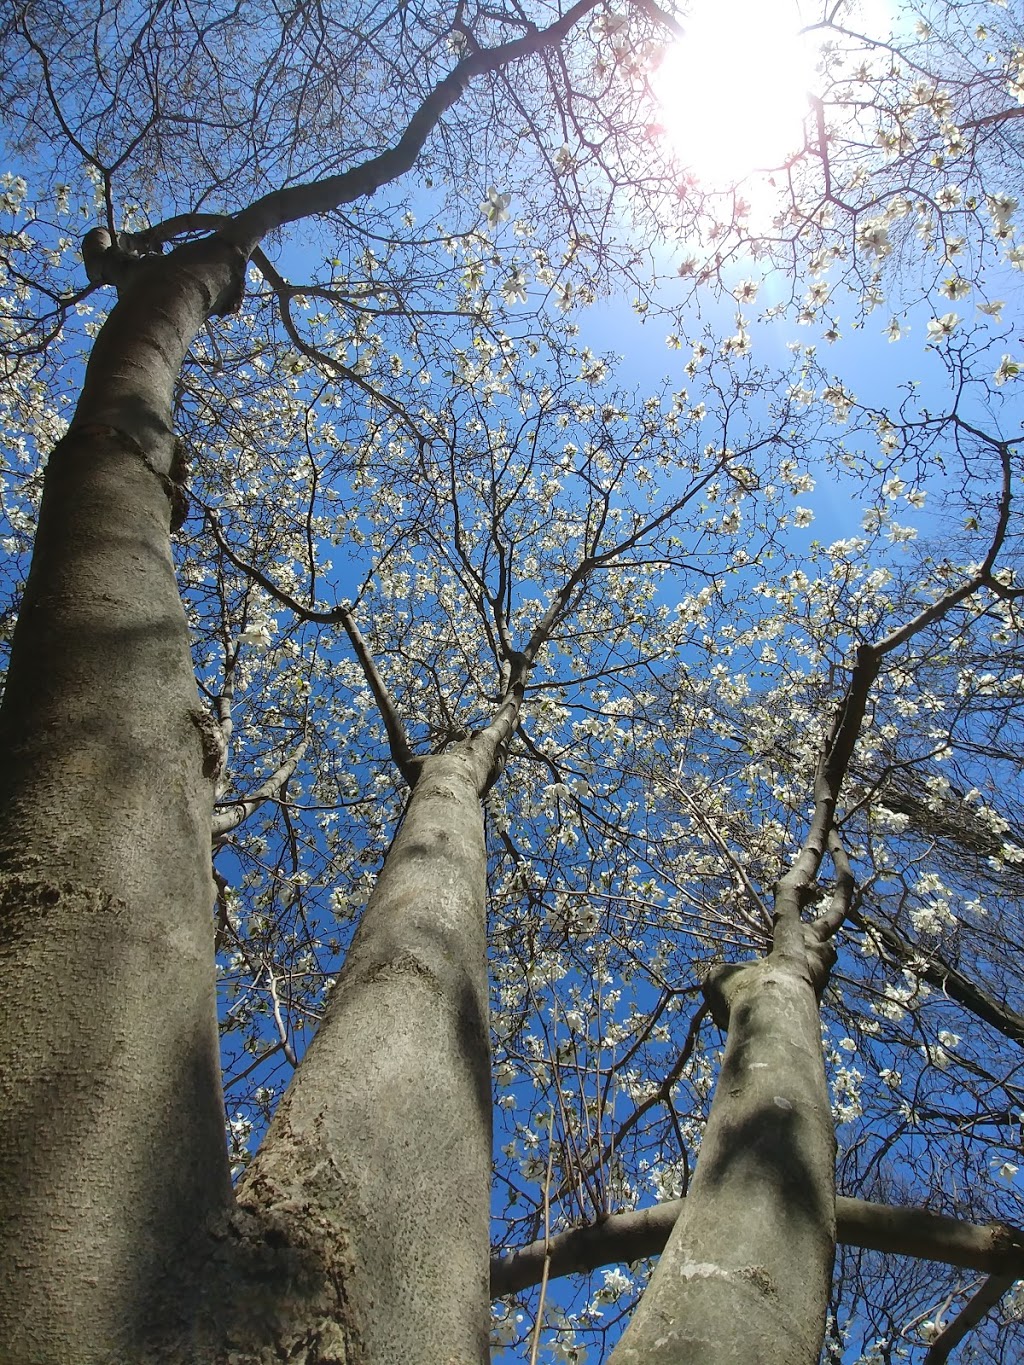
547 1238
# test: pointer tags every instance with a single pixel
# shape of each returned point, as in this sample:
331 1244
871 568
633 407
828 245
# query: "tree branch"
249 227
660 17
944 977
232 814
969 1316
401 750
996 1248
837 751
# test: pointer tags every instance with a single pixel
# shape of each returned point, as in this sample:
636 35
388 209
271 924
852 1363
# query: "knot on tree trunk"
114 258
821 958
724 983
120 259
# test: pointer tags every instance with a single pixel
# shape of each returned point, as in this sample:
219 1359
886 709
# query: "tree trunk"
377 1163
745 1276
112 1150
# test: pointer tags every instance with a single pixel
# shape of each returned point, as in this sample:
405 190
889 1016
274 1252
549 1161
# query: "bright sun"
733 91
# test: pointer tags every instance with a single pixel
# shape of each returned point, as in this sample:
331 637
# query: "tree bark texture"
379 1155
112 1148
745 1275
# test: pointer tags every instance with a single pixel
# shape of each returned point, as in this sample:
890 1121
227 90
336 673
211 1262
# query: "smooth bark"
111 1122
746 1272
378 1159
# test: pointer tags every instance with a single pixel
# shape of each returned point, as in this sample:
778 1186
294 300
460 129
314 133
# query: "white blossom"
258 635
873 237
494 206
939 328
563 160
1008 369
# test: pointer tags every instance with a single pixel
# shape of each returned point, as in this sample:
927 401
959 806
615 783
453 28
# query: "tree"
515 526
136 878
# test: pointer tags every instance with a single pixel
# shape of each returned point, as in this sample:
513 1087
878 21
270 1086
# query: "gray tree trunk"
745 1276
379 1155
362 1229
111 1123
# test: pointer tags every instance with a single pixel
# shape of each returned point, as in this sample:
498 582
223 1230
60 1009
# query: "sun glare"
733 91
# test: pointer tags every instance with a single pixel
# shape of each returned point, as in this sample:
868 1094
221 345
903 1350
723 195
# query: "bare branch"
401 750
993 1247
250 226
233 813
976 1307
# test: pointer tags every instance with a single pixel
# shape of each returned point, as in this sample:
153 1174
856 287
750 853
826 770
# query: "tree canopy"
607 751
